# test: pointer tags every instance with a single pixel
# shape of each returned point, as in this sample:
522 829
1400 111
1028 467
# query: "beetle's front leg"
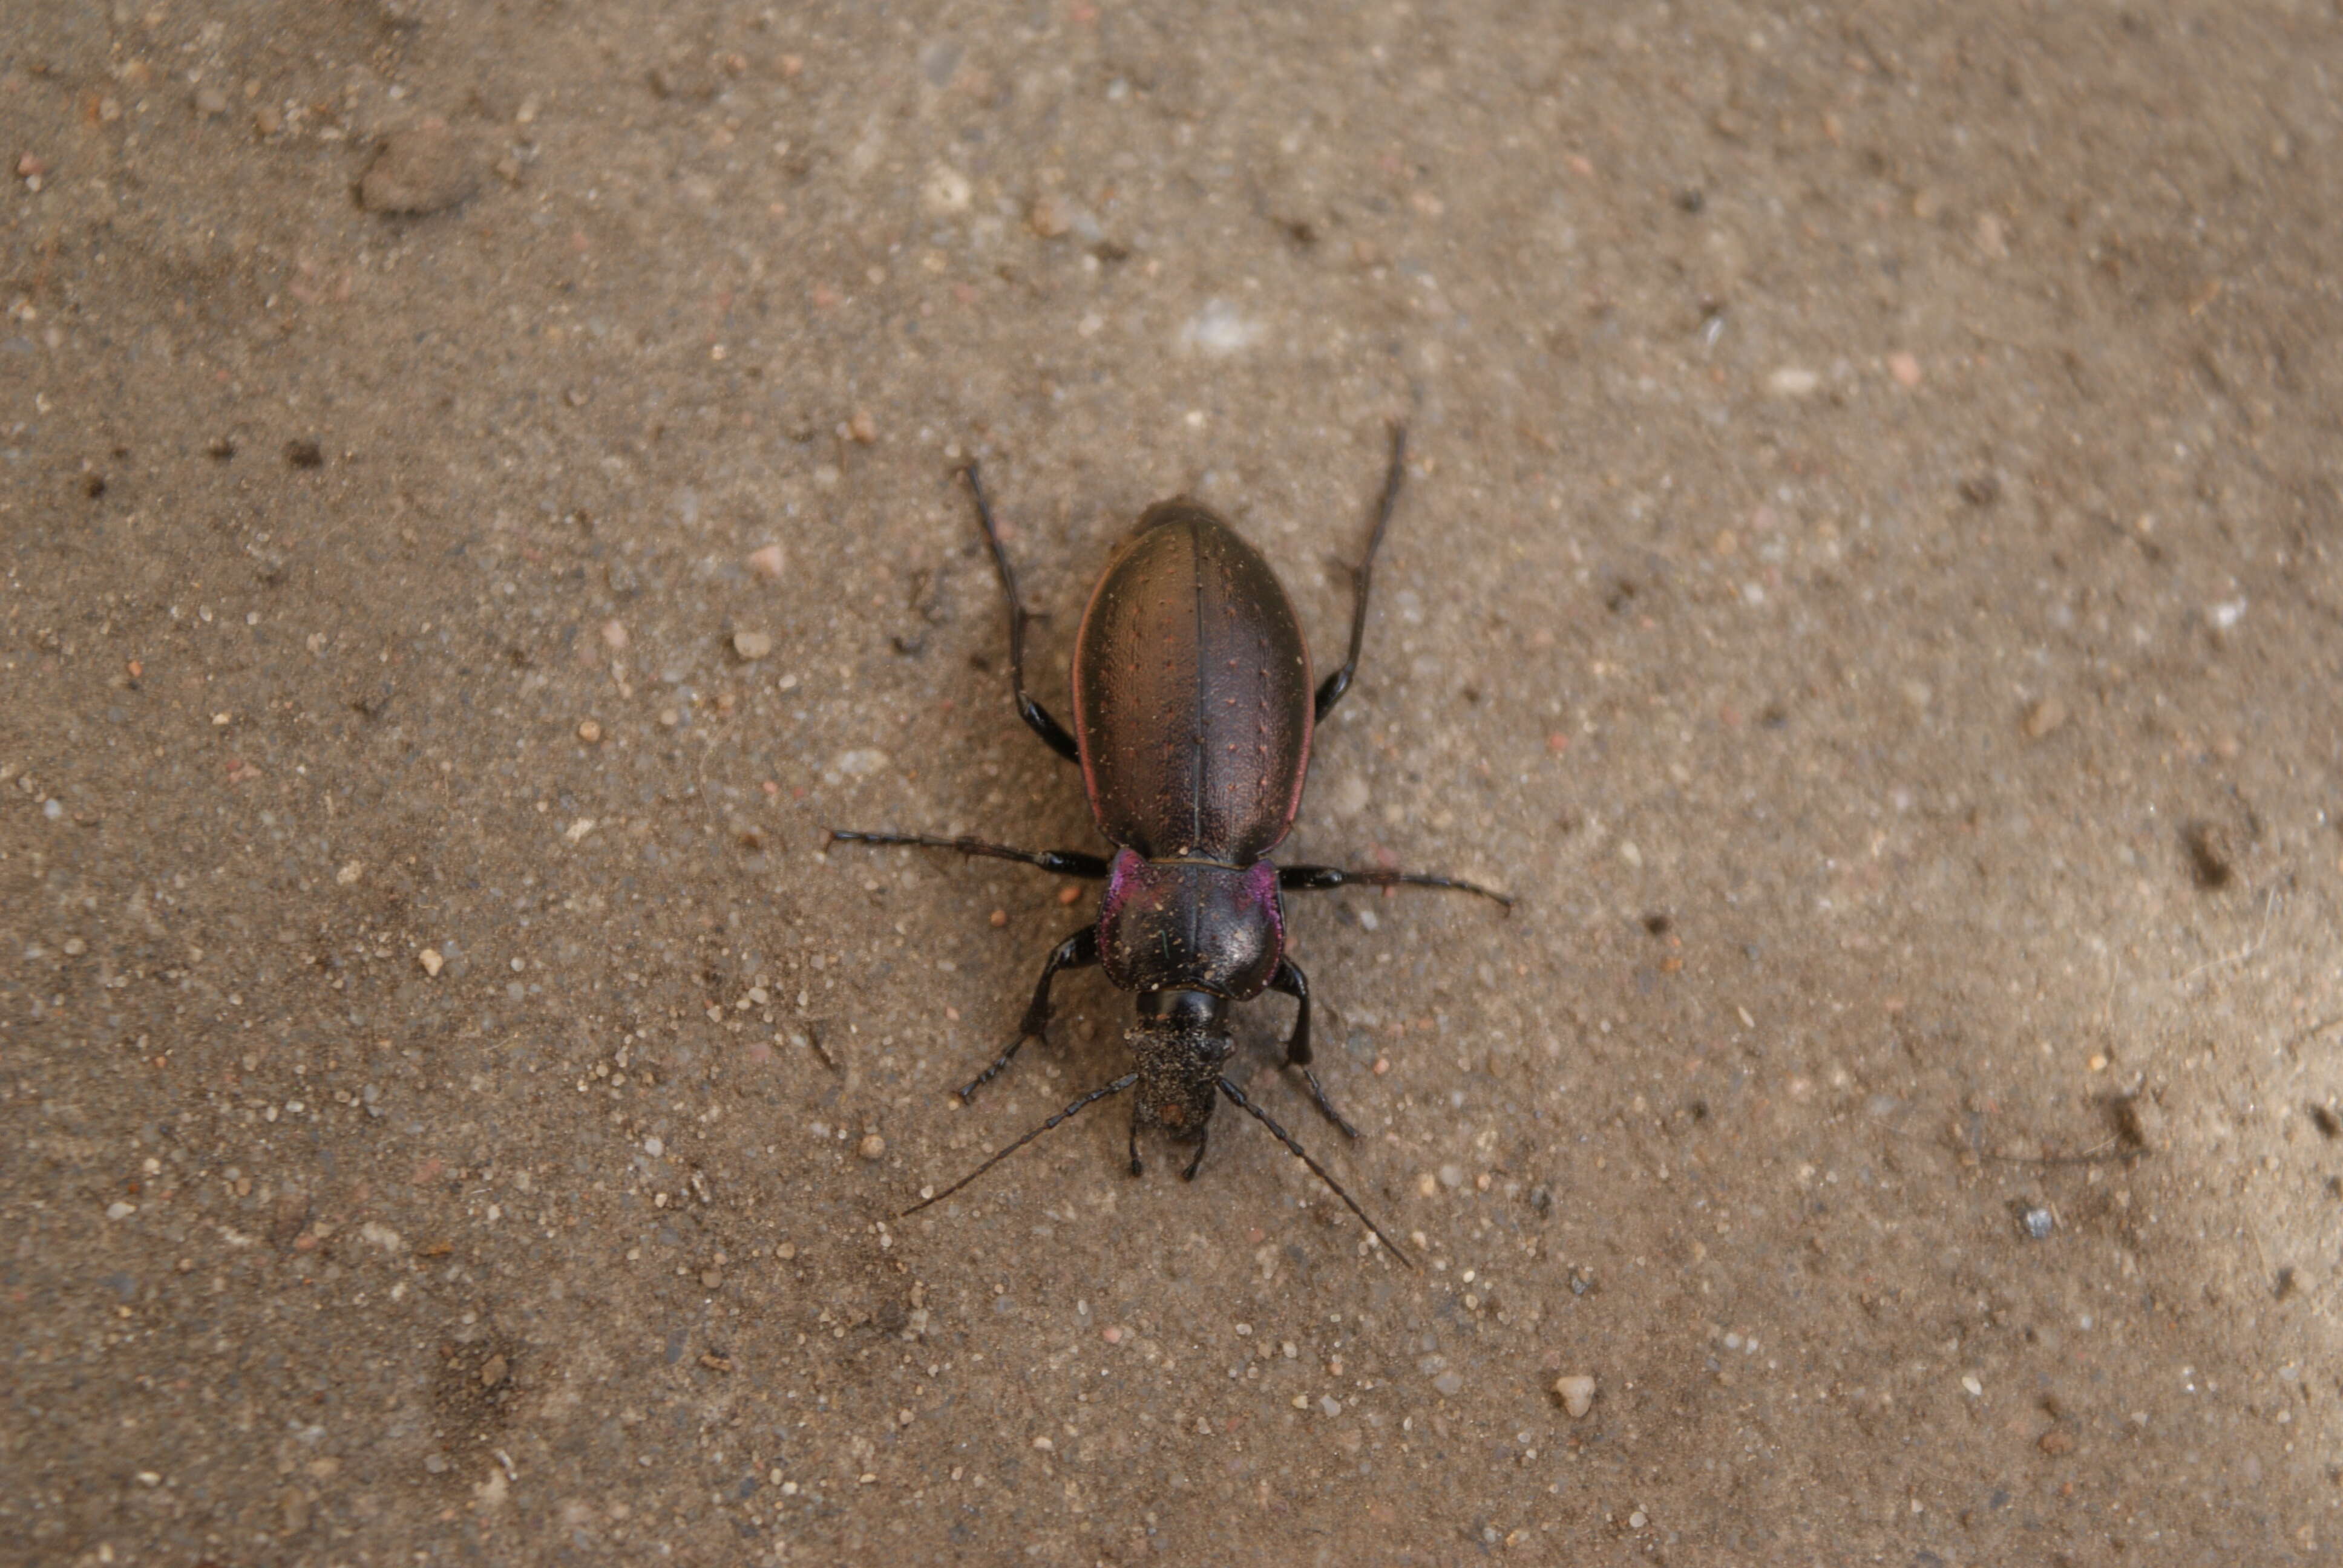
1290 981
1078 952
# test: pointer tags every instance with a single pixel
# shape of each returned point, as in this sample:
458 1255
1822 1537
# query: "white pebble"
859 764
1220 328
1576 1392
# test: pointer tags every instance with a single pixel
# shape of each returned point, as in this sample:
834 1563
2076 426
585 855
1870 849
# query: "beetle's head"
1181 1042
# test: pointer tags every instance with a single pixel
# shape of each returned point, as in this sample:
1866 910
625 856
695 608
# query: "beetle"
1194 721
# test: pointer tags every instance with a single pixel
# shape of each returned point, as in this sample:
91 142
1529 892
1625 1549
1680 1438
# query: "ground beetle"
1194 715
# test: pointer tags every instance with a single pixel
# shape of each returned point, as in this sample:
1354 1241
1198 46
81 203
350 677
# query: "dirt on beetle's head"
1180 1042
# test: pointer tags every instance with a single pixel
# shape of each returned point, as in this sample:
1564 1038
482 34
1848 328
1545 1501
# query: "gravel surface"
477 503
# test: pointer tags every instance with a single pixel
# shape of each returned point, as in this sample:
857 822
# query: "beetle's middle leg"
1291 982
1324 879
1036 716
1078 952
1064 862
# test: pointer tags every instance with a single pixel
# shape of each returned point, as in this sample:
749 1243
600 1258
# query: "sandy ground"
1867 582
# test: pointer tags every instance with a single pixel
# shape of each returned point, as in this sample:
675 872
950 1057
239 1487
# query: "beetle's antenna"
1095 1095
1237 1096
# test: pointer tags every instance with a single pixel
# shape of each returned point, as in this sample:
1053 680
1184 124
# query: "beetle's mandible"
1194 715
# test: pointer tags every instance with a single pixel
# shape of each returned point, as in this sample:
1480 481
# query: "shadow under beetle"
1194 715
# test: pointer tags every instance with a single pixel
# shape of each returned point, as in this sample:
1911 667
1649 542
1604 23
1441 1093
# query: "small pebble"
1638 1519
1905 369
431 961
1576 1392
2038 1223
873 1146
492 1370
614 635
947 190
1449 1383
862 427
210 102
769 562
425 168
1969 1382
1791 382
1050 217
589 732
2044 716
752 646
120 1210
711 1277
654 1147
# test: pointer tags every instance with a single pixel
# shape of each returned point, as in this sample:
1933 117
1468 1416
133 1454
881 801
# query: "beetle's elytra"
1193 717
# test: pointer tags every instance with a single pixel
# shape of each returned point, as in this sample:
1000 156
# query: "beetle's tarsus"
1326 1106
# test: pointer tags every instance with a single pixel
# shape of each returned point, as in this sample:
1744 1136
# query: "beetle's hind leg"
1036 716
1290 981
1362 575
1078 952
